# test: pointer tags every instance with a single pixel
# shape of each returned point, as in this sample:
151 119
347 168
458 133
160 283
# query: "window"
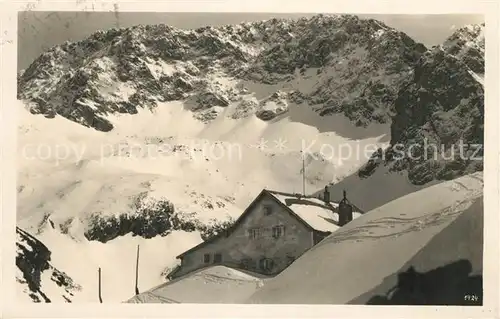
206 258
255 233
268 210
278 231
266 264
217 258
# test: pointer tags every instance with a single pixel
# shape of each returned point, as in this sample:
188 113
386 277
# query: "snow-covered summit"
325 60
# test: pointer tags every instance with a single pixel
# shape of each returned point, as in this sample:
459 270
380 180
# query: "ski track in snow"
394 227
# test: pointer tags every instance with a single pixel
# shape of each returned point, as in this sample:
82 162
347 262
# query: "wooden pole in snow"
303 175
137 273
100 298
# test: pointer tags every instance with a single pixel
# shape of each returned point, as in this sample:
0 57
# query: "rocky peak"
467 44
437 132
357 66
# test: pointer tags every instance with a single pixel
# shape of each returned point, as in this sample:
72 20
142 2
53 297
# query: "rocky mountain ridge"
437 132
338 64
439 120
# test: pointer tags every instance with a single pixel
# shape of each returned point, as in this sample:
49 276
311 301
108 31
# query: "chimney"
326 195
345 211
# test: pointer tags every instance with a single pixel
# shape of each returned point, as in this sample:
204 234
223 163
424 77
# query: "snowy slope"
370 250
107 174
217 284
447 275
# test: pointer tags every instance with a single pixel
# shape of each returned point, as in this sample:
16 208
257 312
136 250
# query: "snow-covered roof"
316 213
310 210
215 284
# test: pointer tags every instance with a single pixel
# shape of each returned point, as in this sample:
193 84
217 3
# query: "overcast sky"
38 31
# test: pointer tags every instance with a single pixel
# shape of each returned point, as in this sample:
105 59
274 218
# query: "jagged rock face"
33 263
121 70
147 221
356 66
467 44
439 121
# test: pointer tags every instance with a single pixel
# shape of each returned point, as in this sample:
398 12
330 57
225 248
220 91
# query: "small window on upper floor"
206 258
268 210
278 231
254 233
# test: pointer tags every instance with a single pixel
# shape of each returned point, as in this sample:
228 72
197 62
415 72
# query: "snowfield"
68 173
365 256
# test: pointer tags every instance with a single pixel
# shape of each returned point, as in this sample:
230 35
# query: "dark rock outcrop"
33 260
148 219
437 132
